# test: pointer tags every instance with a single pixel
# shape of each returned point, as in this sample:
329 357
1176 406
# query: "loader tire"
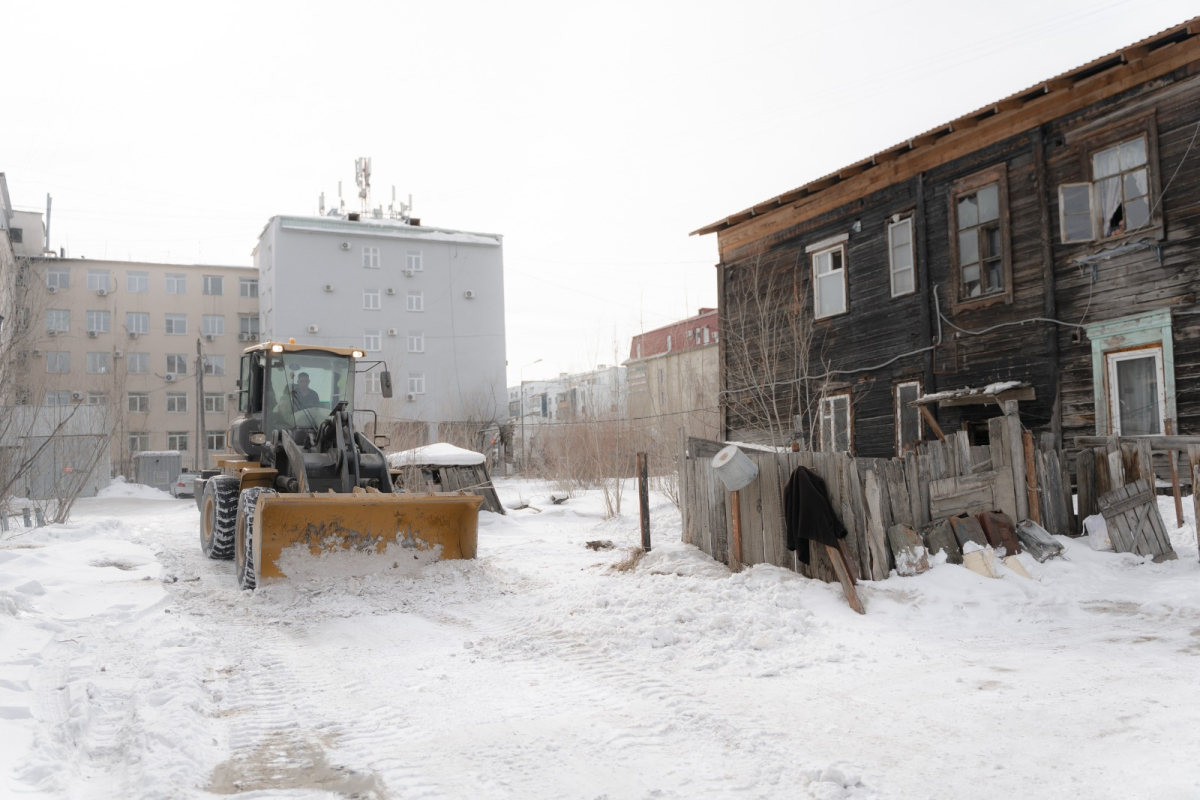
218 516
247 508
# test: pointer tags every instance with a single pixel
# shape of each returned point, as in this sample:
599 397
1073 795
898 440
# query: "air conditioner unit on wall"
208 337
52 332
76 395
313 328
102 292
329 287
393 331
93 334
37 351
118 353
243 337
345 245
169 377
390 292
133 334
253 337
408 273
52 289
412 396
470 295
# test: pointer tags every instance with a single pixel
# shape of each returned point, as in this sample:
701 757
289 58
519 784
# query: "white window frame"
179 361
900 409
416 341
99 321
177 440
137 282
1111 359
211 282
177 403
175 324
215 441
138 442
416 302
137 363
370 257
214 364
176 283
414 260
58 398
814 259
912 256
60 360
137 321
58 320
213 324
97 399
99 363
247 287
98 279
374 382
137 403
214 403
828 412
416 383
248 324
373 341
372 299
58 278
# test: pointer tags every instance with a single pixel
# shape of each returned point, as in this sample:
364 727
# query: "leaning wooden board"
1134 524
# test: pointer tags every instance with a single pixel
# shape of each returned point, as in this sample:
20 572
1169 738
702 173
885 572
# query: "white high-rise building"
428 302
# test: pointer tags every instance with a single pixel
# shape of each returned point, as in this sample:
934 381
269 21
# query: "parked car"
184 485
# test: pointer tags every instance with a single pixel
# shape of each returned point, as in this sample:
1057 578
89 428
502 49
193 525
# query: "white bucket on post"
734 468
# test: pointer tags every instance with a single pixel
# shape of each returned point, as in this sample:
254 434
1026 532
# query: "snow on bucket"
734 468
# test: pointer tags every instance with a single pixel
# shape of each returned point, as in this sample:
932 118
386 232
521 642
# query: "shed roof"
439 454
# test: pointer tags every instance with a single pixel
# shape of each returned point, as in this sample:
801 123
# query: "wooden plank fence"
941 480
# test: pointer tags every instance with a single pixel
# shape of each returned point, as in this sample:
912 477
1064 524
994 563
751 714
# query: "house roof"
655 342
1151 57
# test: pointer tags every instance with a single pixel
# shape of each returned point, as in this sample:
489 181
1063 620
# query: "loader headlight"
258 438
276 348
358 354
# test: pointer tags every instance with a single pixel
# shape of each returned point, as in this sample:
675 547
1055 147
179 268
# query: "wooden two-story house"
1049 242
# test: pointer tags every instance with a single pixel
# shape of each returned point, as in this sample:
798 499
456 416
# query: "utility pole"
201 441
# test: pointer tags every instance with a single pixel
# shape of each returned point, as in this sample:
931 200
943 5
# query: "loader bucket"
335 535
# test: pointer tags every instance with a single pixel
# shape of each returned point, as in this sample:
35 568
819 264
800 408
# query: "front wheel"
247 571
218 516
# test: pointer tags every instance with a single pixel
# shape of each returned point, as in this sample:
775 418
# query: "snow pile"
120 488
439 454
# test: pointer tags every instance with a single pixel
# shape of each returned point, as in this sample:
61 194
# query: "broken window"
829 278
835 422
1122 187
908 418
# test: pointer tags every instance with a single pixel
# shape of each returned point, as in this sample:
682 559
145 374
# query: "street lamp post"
524 442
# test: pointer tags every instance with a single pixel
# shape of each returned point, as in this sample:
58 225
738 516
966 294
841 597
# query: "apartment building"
673 376
427 302
154 345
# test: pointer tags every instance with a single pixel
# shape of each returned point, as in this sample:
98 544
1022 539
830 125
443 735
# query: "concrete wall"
463 361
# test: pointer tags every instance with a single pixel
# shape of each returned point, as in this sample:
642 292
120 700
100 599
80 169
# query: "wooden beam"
1031 478
1157 443
937 429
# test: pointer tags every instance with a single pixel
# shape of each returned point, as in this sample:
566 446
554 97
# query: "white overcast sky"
593 136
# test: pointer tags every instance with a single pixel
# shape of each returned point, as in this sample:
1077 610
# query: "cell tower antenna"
341 202
322 206
362 176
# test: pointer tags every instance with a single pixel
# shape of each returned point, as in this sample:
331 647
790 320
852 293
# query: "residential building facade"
672 373
1044 243
597 395
127 337
426 302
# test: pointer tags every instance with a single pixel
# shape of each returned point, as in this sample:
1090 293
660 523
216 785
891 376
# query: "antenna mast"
362 176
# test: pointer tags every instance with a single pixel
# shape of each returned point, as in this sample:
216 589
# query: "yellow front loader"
310 496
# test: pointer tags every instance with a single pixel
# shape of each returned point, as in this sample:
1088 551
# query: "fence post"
28 519
644 500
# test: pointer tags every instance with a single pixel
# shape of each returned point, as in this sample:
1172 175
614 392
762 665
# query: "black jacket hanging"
808 513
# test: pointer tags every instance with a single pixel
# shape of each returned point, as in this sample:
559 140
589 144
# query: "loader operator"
302 396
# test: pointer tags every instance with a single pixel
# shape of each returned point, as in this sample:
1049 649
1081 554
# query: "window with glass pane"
214 403
97 279
371 299
249 324
900 254
980 253
416 342
137 363
97 399
138 403
416 301
139 442
177 364
1075 212
58 398
99 363
248 287
177 440
374 383
829 277
371 257
137 322
58 278
58 361
176 284
214 325
1122 187
1136 389
176 403
835 423
214 285
214 440
414 261
416 382
137 281
372 341
58 320
98 321
214 365
176 324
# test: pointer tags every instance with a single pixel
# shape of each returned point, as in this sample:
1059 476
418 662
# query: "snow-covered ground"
131 666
